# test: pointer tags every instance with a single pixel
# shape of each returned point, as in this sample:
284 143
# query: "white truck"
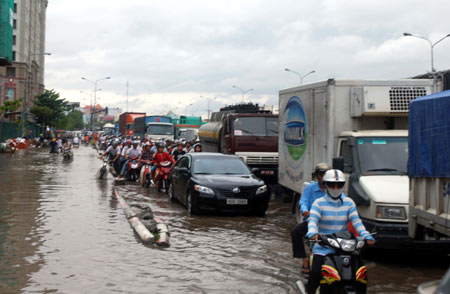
429 169
362 127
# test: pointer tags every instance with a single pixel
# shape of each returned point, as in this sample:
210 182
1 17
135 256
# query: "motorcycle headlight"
391 212
261 190
134 165
360 244
333 242
203 189
347 245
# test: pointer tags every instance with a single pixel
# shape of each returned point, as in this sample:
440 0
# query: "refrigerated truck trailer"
429 168
363 125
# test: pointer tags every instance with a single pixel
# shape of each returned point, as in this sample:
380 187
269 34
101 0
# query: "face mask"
334 193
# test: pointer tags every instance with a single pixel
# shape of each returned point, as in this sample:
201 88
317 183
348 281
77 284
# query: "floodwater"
61 231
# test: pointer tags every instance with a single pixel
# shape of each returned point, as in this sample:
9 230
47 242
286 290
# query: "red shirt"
161 156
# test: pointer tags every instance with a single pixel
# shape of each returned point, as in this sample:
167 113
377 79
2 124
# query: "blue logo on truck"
295 129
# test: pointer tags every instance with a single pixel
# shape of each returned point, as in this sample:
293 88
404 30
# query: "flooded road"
61 231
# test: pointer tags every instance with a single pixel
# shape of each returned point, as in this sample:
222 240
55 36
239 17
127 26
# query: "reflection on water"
62 232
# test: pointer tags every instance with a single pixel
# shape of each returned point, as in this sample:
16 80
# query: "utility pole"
127 97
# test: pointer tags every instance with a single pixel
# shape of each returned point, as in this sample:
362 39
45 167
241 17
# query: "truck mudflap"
395 236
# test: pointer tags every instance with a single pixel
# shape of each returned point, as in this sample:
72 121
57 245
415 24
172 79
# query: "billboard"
6 30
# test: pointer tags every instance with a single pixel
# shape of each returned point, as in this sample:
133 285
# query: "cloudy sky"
174 51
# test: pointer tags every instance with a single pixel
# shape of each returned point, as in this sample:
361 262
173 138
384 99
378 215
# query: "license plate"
237 201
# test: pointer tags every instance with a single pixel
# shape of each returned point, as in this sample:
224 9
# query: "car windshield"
255 126
219 165
160 130
384 155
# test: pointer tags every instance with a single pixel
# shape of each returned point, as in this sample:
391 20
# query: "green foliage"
9 106
73 121
49 109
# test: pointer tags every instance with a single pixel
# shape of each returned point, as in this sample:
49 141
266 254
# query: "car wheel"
191 206
171 193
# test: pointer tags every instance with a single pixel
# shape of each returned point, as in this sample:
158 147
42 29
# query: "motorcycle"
103 172
146 173
342 271
67 154
132 170
162 176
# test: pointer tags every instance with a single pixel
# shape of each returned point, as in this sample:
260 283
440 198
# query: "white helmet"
334 180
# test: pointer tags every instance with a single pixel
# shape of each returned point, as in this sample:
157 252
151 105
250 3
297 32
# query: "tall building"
24 76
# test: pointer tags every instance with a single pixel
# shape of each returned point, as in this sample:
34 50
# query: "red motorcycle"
162 175
133 169
147 176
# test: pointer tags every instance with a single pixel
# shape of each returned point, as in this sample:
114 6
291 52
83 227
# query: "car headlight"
261 190
391 212
203 189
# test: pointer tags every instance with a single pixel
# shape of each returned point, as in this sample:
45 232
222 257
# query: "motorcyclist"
53 146
188 147
158 157
113 152
67 145
146 155
197 148
330 214
178 152
132 152
59 144
311 193
76 140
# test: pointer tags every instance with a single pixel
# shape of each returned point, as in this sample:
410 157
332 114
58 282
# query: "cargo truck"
155 127
184 123
248 131
429 169
362 126
126 122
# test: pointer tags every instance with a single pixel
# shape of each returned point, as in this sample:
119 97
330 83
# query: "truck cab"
379 185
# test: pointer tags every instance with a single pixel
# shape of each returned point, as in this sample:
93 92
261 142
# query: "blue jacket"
312 193
328 216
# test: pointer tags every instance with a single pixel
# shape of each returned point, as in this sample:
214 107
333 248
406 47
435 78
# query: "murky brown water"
62 232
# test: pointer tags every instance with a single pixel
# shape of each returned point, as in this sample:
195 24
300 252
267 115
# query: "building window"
9 94
11 72
14 56
15 7
14 40
15 24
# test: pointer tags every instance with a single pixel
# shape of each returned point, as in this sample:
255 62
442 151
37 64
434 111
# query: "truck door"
345 152
225 139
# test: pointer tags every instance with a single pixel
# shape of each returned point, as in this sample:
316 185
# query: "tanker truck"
248 131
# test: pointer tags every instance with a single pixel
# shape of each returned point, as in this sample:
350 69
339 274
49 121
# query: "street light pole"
209 101
300 75
25 92
243 92
185 108
431 45
95 95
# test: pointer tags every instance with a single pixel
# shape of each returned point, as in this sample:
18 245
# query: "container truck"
429 169
126 122
361 125
184 123
155 127
248 131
